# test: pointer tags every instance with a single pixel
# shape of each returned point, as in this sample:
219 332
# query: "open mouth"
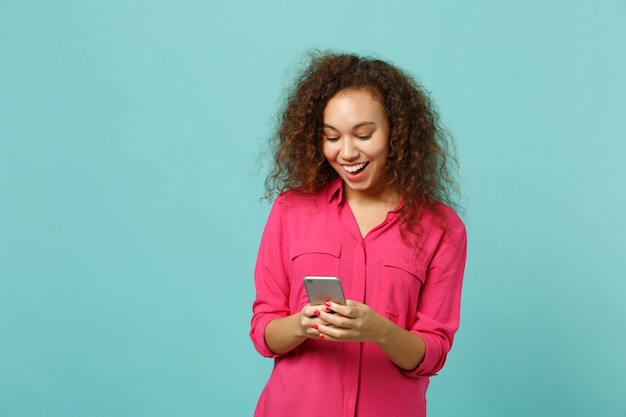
355 169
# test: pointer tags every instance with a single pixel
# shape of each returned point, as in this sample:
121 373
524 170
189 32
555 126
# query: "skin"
356 131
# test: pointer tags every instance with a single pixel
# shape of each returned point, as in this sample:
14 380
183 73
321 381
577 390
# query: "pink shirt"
418 290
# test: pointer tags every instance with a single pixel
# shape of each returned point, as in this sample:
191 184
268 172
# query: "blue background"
130 185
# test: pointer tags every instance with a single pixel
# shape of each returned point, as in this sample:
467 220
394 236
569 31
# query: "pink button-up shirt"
417 289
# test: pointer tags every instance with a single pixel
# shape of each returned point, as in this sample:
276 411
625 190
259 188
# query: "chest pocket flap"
314 257
325 247
412 268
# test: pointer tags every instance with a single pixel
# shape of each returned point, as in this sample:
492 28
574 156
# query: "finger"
312 310
334 320
306 310
333 333
314 330
339 309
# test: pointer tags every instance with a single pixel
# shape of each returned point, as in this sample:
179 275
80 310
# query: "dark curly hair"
421 165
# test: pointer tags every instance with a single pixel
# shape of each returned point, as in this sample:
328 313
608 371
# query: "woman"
364 194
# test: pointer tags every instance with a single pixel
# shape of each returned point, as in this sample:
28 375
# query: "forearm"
405 349
284 334
356 322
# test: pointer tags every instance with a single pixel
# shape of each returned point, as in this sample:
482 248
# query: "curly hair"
421 165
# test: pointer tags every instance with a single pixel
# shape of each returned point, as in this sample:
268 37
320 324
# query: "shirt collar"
334 190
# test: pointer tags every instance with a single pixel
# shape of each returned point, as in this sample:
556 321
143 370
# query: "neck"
387 198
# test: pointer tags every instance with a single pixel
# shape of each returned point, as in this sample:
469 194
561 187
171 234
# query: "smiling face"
356 142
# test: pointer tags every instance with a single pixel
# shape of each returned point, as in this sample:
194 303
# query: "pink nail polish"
321 336
327 303
315 326
317 312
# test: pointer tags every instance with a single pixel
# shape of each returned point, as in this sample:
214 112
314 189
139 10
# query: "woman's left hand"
354 322
357 322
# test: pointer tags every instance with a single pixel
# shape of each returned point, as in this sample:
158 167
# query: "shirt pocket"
311 258
402 281
320 258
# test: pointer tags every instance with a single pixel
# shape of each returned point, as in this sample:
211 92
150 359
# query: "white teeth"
354 168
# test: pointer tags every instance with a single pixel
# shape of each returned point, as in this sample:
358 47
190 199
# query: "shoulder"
451 225
448 216
443 221
293 206
295 198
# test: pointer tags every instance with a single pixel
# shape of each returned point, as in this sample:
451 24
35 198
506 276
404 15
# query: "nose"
348 151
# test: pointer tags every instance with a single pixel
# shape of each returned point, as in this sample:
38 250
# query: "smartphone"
320 289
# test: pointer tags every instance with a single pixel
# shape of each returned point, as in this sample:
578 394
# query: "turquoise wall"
130 184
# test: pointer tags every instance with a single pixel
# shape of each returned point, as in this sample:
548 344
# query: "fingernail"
315 326
321 336
317 313
327 303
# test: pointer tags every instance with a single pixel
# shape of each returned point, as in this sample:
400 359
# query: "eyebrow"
355 126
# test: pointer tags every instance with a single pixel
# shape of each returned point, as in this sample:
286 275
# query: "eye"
365 137
332 138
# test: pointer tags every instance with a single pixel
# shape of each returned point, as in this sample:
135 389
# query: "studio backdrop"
131 175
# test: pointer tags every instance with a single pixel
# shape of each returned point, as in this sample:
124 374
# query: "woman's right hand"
286 333
310 320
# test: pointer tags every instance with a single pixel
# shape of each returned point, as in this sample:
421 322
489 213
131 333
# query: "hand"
355 322
311 321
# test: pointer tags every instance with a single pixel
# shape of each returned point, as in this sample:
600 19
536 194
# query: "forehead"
354 104
364 92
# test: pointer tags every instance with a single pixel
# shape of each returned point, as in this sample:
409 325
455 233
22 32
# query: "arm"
275 329
270 278
358 322
438 310
405 349
422 349
286 333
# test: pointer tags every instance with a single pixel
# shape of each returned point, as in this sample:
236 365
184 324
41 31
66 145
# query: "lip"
348 168
357 176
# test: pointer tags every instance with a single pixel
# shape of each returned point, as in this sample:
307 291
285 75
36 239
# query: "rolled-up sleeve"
270 277
439 305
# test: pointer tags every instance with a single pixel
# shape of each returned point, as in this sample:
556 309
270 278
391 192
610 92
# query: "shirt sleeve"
440 300
271 280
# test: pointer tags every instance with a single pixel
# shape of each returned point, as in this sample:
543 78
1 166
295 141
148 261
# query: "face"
356 141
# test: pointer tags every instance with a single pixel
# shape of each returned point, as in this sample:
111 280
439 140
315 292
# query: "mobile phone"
321 289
